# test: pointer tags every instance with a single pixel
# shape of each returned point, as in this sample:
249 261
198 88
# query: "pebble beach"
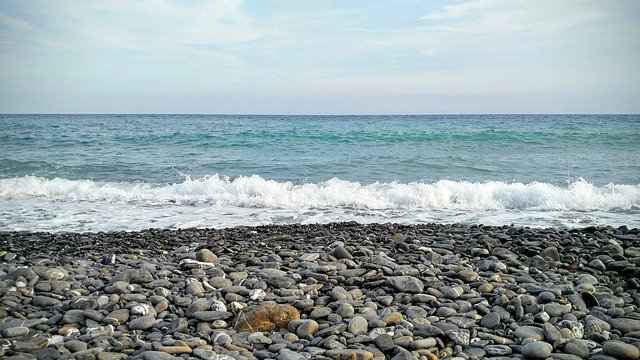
332 291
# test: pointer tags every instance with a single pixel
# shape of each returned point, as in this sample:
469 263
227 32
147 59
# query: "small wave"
257 192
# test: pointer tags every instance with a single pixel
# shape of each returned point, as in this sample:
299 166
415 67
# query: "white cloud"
361 30
159 24
460 10
15 23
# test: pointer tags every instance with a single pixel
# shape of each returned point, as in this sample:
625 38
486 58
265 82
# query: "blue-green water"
112 172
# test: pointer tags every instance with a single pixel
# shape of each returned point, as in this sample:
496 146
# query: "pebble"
529 332
490 320
358 325
340 291
537 350
142 323
407 284
620 350
384 342
306 328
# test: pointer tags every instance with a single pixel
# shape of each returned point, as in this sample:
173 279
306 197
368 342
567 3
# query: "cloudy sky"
320 57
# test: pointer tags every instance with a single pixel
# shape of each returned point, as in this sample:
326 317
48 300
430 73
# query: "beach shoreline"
346 290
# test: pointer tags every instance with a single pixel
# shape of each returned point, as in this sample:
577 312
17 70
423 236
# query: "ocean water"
131 172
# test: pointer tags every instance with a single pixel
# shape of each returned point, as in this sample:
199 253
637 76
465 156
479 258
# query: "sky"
320 57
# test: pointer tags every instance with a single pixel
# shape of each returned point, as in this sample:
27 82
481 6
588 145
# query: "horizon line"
321 114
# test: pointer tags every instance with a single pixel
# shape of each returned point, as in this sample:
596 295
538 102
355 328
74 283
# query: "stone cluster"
334 291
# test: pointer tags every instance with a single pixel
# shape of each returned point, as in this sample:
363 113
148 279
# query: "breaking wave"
257 192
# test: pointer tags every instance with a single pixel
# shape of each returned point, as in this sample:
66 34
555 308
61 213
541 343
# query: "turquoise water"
113 172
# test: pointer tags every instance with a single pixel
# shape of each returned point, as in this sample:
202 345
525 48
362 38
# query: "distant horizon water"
108 172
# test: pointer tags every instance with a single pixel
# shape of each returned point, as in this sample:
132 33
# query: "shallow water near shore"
131 172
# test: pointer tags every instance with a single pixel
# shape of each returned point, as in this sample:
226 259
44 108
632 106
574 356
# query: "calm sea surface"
127 172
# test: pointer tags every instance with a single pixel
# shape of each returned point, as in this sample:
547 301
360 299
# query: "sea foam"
257 192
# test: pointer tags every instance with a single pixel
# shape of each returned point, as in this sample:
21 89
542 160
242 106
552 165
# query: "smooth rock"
142 323
266 317
408 284
358 325
537 350
620 350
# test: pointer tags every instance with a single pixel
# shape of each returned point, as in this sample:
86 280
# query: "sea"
92 173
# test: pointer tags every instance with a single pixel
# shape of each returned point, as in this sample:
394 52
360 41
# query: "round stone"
490 320
445 312
358 325
307 327
345 310
221 338
206 255
142 323
537 350
546 297
468 275
320 312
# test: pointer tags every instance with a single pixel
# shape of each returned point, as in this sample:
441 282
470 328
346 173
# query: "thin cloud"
361 30
161 25
15 23
460 10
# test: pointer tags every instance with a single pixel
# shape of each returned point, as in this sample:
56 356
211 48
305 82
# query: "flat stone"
497 350
73 317
578 348
491 320
529 332
338 293
452 292
468 276
620 350
44 301
157 355
286 354
556 310
460 336
320 312
537 350
625 325
107 355
75 345
384 342
35 343
133 276
142 323
423 344
15 331
408 284
212 315
349 354
551 333
117 317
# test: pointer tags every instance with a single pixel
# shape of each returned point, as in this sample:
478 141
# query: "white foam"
83 205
